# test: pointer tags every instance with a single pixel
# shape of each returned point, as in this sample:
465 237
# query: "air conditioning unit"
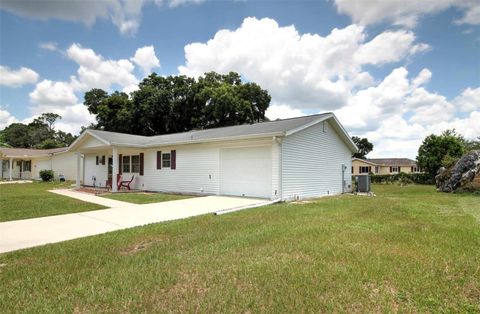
363 184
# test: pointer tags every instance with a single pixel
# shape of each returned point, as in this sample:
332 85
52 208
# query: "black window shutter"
173 159
96 160
159 159
141 164
120 163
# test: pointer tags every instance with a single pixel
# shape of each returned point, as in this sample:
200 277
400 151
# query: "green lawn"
409 249
145 198
28 200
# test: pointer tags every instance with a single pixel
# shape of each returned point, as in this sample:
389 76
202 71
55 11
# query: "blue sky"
392 71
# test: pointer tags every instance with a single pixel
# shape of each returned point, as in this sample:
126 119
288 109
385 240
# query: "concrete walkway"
20 234
90 198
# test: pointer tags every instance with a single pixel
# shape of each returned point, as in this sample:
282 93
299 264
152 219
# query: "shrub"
46 175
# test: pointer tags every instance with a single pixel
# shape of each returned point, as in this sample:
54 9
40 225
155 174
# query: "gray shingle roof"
393 161
247 130
29 152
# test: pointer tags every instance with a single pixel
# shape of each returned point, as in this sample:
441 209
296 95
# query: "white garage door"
246 171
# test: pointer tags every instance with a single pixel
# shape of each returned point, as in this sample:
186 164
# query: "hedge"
402 177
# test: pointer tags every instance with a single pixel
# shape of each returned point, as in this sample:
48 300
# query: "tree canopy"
173 104
364 147
40 133
440 150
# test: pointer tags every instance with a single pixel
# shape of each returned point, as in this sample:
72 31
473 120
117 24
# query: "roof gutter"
199 141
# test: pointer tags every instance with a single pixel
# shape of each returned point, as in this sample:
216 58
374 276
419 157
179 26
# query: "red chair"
125 184
108 184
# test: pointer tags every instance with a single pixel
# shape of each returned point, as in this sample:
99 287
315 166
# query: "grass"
409 249
29 200
144 198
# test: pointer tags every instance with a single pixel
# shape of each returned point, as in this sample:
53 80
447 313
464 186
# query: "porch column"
115 169
10 169
83 169
78 170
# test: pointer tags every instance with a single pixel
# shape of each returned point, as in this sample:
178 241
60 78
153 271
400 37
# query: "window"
27 165
376 169
324 126
166 159
394 169
136 163
126 164
364 169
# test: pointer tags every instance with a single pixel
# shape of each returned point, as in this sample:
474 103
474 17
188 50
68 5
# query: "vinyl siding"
100 172
60 164
198 168
312 163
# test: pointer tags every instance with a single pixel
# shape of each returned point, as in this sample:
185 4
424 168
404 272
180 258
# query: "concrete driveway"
20 234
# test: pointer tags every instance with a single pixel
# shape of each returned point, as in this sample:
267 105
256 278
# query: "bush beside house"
46 175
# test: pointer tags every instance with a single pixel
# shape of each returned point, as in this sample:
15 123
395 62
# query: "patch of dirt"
94 191
137 248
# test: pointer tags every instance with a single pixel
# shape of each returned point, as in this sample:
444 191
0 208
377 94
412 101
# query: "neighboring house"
24 163
284 159
384 166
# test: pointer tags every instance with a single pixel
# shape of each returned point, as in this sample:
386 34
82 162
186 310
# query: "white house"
287 159
24 163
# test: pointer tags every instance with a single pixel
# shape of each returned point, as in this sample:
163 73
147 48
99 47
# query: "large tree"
174 104
40 133
436 149
16 135
364 147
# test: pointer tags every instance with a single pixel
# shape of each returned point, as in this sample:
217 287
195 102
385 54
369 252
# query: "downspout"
280 168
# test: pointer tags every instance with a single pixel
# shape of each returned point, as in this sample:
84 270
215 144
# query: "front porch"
15 169
108 169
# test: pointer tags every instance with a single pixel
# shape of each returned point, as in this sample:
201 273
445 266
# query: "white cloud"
6 118
379 50
308 72
299 70
423 78
53 94
96 72
399 112
468 100
406 13
146 59
177 3
16 78
275 112
124 14
50 46
472 15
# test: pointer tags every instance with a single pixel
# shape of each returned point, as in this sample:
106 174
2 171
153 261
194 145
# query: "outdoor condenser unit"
363 184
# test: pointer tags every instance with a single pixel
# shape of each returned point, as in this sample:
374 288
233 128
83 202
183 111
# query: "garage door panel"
246 171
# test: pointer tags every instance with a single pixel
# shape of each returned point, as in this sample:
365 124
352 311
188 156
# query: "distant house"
24 163
283 159
383 166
